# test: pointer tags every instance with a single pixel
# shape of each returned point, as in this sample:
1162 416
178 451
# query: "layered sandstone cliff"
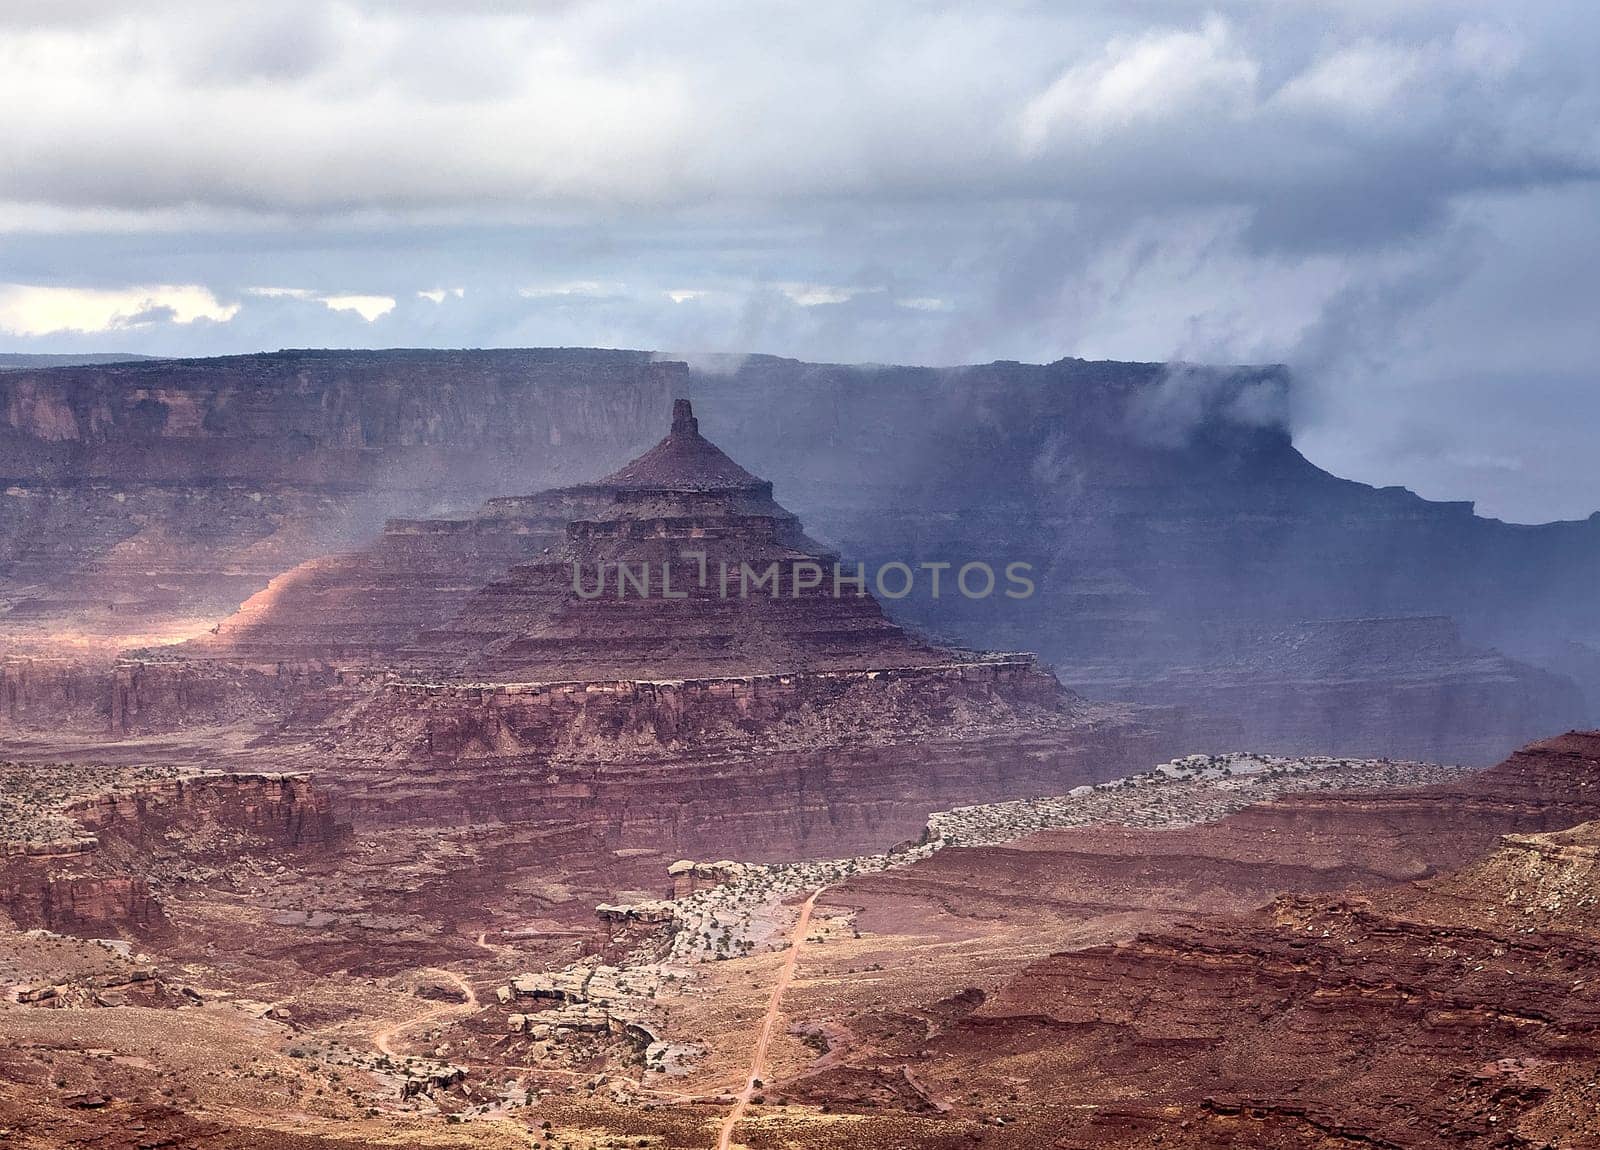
791 719
99 881
143 502
683 567
760 767
1457 1010
700 718
1166 511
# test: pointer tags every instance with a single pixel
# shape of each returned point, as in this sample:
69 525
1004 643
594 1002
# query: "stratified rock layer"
684 568
142 502
99 885
802 764
532 587
792 718
1458 1010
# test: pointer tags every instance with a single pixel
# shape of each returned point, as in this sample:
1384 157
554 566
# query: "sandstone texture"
334 813
1223 950
85 842
1437 993
1199 559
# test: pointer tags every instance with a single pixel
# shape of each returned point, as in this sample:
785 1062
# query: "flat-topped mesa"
684 567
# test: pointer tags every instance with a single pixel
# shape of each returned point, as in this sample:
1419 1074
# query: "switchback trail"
382 1038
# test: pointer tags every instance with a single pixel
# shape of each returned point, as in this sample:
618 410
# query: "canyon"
794 723
1324 967
1219 951
1452 1010
1184 551
339 808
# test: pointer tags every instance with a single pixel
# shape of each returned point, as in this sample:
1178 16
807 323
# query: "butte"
682 567
484 671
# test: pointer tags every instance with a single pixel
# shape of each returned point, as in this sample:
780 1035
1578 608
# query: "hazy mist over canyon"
1394 200
675 574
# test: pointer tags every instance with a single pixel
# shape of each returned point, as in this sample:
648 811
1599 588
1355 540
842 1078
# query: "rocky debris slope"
723 909
366 606
57 972
1459 1010
38 801
631 1010
88 839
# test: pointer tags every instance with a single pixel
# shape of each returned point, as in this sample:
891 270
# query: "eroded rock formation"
787 719
1440 994
144 501
792 718
99 882
1180 546
655 582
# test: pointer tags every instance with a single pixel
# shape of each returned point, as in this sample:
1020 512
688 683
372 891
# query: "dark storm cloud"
1391 198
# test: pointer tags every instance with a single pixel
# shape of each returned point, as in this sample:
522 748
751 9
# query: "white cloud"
588 288
1104 177
816 295
1365 79
1165 74
382 115
189 107
368 307
34 310
281 292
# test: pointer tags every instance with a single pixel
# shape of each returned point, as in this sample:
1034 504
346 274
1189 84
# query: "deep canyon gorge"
333 814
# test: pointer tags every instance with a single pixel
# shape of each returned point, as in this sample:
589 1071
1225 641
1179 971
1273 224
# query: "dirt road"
758 1057
381 1039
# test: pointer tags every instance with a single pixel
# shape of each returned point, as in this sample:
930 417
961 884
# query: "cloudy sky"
1399 199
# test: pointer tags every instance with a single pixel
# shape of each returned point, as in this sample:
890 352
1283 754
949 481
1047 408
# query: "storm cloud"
1397 200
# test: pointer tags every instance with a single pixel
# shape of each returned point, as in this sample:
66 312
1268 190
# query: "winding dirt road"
381 1039
759 1056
